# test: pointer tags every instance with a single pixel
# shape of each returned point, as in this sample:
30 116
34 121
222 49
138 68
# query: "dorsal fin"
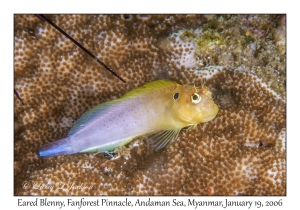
86 117
148 87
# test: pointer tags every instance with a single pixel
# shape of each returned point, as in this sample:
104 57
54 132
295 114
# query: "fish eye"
175 96
196 98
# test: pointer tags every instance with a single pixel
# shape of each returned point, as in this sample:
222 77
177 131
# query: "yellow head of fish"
193 105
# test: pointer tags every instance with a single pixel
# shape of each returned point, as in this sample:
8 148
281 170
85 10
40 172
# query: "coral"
256 42
240 152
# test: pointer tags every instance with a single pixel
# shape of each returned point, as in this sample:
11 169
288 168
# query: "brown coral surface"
240 152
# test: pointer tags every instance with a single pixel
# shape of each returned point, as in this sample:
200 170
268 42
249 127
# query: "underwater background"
241 58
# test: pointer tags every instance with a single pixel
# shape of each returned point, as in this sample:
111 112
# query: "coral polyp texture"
240 152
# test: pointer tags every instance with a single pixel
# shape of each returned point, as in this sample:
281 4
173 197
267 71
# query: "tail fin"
60 147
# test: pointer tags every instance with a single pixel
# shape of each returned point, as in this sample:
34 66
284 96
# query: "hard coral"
240 152
255 42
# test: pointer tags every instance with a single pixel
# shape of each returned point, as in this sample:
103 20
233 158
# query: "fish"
158 110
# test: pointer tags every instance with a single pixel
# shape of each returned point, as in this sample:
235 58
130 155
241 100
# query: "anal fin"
108 147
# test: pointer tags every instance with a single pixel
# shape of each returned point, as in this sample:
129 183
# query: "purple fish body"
148 110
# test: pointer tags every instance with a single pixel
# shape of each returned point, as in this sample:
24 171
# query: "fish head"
193 105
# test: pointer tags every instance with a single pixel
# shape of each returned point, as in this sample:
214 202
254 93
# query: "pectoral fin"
160 139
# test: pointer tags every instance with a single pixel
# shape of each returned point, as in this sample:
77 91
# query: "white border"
8 8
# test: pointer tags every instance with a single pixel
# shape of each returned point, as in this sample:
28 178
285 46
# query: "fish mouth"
213 114
208 118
